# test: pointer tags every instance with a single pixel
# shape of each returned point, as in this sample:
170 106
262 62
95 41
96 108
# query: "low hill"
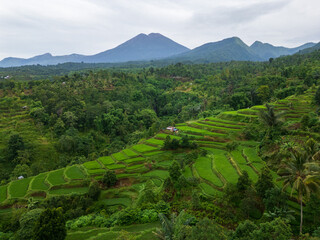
148 161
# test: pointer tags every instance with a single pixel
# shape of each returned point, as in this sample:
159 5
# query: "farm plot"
116 166
64 191
106 160
163 136
91 165
134 160
253 158
130 153
3 193
153 153
223 121
144 148
74 173
203 132
243 165
19 188
96 171
222 125
203 166
119 156
213 128
224 167
208 190
38 182
157 174
154 141
56 178
187 172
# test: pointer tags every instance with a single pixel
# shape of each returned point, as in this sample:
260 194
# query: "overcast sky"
33 27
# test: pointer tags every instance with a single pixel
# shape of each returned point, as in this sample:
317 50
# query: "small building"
172 129
21 177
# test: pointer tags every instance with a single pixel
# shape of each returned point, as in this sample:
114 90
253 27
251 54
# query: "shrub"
109 178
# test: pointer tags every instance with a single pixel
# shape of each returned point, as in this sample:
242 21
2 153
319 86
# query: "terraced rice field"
106 160
144 148
130 153
19 188
119 156
203 166
222 164
3 193
38 182
243 165
65 191
92 165
74 173
56 178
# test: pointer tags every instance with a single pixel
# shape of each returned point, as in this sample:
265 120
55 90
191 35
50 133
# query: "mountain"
142 47
226 50
266 50
310 49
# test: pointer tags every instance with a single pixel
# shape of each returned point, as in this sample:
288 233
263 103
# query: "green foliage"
27 224
243 182
175 171
94 190
50 225
265 182
109 178
15 144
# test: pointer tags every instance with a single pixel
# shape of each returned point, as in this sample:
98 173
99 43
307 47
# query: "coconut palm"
302 174
271 119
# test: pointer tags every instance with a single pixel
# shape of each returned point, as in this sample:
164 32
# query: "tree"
27 222
264 182
174 171
109 178
302 175
51 225
264 93
317 96
243 182
206 229
94 190
15 144
272 120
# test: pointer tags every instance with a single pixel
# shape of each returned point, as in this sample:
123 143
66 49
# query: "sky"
34 27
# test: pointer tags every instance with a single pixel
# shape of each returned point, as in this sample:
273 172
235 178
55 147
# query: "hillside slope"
147 160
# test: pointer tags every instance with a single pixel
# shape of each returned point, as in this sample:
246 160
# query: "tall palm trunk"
301 215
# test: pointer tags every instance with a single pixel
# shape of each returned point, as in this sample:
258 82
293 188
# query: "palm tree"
271 119
301 174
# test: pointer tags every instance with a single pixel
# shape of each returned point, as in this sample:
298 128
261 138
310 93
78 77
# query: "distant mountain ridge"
155 46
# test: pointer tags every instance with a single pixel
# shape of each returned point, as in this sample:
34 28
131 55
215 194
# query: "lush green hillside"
147 160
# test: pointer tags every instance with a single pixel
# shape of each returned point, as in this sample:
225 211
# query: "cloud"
34 27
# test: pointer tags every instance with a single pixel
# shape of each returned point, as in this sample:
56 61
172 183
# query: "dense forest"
59 117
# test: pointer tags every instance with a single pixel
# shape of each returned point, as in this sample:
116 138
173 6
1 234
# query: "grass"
208 190
130 153
243 165
144 148
3 193
91 165
106 160
157 174
219 120
116 166
187 172
19 188
64 191
74 172
135 166
153 153
224 167
253 158
163 136
55 178
203 166
133 160
210 127
155 141
96 171
119 156
38 182
201 131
